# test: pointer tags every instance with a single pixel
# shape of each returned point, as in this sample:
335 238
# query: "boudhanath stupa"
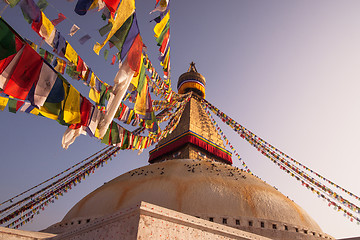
190 190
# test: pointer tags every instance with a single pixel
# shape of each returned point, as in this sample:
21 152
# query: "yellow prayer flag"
35 111
161 25
70 54
46 113
46 27
97 133
124 11
92 80
3 103
94 95
165 64
140 104
72 106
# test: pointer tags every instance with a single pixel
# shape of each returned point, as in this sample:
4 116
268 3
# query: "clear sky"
287 70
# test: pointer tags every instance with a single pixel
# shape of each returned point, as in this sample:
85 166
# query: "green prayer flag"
7 41
160 39
106 54
104 95
120 35
106 137
42 4
141 79
114 133
105 29
12 105
12 3
125 143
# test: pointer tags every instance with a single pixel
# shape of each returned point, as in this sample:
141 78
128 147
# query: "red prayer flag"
85 109
165 42
80 66
19 104
61 17
36 25
134 54
113 60
112 5
25 74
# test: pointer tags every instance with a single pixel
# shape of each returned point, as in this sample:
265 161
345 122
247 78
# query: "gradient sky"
287 70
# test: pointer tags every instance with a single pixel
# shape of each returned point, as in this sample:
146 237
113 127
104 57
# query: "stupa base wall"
149 221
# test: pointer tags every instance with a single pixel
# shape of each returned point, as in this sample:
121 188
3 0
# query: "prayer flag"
44 28
3 103
82 6
56 21
59 44
134 55
27 107
94 95
105 29
60 65
113 60
7 40
161 25
72 106
124 37
94 120
84 39
46 55
8 66
130 37
140 104
12 3
69 136
126 8
70 54
25 74
73 30
163 6
13 105
42 4
30 10
106 54
112 5
85 109
121 84
44 85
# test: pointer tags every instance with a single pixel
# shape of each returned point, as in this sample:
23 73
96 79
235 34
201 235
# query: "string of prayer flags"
279 159
58 186
61 17
124 11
